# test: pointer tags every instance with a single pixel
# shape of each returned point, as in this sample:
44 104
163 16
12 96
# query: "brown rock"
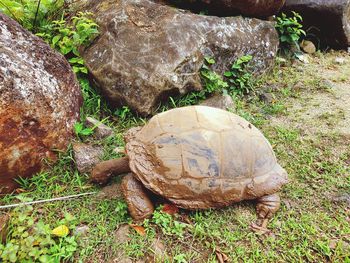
252 8
100 130
308 47
86 156
268 98
159 250
122 234
224 102
147 52
328 21
39 103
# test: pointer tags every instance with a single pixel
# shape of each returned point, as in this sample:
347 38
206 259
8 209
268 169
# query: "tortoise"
197 157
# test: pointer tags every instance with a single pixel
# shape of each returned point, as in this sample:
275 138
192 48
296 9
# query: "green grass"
310 226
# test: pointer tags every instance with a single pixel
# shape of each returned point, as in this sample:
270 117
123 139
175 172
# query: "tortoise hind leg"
266 207
139 204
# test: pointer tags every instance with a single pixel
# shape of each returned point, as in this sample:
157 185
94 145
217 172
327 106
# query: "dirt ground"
332 106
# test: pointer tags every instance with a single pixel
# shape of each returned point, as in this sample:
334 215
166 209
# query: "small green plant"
68 37
213 82
123 113
33 15
31 241
81 131
92 99
180 258
239 78
167 223
239 82
290 30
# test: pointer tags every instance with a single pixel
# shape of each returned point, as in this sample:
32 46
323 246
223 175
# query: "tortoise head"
130 134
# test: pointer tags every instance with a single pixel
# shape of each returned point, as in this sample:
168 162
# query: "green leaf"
210 60
228 74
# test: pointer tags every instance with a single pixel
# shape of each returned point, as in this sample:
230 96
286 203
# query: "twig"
36 14
46 200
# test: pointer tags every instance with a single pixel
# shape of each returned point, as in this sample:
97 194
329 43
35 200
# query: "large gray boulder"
39 103
148 51
252 8
328 21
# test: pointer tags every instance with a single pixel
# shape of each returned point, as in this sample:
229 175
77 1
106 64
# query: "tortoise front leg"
139 204
104 170
266 207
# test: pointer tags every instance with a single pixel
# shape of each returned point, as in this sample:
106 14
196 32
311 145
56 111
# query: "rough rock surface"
308 47
328 21
252 8
39 103
86 156
220 101
148 51
100 130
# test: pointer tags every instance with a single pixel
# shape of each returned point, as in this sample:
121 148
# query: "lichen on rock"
40 101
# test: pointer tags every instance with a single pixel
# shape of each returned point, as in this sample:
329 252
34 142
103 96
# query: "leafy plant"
123 113
167 223
80 130
31 241
92 99
33 15
239 81
213 82
68 37
239 77
290 30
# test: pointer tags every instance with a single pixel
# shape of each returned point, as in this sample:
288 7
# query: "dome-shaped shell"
202 157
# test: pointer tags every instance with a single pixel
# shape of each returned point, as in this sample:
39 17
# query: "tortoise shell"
201 157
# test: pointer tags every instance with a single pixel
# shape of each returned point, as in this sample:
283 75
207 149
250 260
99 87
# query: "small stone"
81 230
122 234
304 58
220 101
308 47
268 98
100 130
86 156
158 249
4 223
298 86
339 60
343 198
327 84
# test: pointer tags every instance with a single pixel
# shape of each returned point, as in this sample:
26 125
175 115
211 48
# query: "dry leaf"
170 209
60 231
139 229
333 244
20 190
220 256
